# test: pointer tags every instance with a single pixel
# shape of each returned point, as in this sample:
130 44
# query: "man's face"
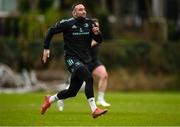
79 11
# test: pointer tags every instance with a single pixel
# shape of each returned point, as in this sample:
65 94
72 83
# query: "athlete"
78 32
99 73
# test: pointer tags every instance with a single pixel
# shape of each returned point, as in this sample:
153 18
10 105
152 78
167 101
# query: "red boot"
45 105
98 112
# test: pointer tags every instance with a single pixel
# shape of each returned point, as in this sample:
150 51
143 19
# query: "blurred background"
141 48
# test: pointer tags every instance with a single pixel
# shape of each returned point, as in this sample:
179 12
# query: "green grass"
150 109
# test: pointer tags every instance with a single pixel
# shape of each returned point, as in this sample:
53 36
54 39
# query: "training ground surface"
159 108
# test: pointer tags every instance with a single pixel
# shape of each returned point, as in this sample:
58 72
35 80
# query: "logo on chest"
74 27
81 31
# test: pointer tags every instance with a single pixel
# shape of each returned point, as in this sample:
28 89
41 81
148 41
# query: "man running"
99 73
78 32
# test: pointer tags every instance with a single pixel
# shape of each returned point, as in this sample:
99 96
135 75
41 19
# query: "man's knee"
104 76
72 94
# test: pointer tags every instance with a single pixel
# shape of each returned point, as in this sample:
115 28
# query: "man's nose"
84 12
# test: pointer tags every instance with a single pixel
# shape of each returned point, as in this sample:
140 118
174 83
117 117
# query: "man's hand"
95 29
93 43
46 54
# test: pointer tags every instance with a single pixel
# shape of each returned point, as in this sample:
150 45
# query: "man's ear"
73 13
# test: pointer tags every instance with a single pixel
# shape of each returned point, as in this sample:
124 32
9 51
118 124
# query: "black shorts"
73 64
94 64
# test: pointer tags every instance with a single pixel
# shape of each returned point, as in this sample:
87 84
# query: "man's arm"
59 27
96 34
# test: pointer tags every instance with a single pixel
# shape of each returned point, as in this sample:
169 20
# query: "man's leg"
73 89
81 74
60 105
85 74
102 76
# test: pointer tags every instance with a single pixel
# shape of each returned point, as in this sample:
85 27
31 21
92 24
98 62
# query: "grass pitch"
139 109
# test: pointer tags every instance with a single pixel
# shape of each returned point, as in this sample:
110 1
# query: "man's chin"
84 16
81 18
